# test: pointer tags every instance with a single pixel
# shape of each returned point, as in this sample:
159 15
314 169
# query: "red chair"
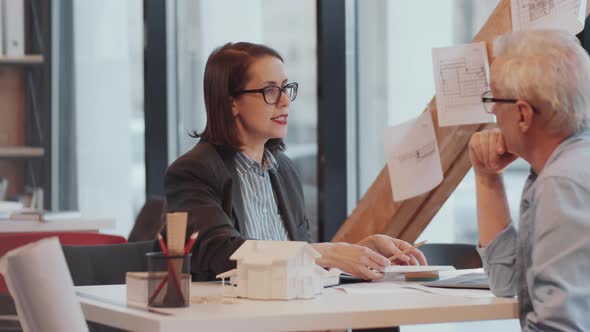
9 241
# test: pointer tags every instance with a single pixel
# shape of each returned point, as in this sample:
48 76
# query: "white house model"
281 270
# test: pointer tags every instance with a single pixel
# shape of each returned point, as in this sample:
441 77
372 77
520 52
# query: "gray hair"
550 70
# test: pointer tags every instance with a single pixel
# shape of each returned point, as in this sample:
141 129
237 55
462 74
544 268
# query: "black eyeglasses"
272 93
488 101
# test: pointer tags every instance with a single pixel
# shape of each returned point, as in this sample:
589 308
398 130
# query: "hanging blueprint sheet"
460 78
413 158
548 14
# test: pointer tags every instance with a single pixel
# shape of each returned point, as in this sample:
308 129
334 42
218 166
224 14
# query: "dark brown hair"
225 73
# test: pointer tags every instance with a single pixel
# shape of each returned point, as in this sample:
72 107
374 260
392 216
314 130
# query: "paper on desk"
379 287
404 287
395 283
413 159
417 268
7 208
41 286
460 78
375 288
468 293
567 15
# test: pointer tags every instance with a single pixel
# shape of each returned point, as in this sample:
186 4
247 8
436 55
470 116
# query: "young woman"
237 184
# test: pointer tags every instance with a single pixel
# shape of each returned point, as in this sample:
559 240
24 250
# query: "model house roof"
268 252
227 274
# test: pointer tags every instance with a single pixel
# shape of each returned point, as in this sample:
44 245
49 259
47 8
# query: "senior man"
540 95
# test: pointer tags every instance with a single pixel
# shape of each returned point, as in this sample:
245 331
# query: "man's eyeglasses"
272 94
489 101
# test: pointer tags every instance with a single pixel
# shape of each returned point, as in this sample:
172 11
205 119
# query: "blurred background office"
119 90
128 91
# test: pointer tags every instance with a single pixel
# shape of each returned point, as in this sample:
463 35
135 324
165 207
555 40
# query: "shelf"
23 60
21 152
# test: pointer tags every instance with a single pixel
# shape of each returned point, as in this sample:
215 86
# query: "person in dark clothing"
237 183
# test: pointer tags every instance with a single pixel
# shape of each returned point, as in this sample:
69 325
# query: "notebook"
469 280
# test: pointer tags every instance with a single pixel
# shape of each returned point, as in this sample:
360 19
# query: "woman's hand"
388 246
357 260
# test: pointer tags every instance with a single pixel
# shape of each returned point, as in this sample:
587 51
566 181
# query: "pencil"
162 244
175 277
187 249
190 243
405 251
160 286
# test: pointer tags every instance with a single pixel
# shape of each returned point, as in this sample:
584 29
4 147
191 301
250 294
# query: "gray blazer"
204 182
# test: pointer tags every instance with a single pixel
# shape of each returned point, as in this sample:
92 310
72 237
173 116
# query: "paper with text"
413 159
567 15
460 78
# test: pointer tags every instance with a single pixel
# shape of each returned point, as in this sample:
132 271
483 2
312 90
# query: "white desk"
334 309
66 225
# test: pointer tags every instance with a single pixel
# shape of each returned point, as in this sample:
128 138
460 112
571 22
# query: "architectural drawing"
463 82
419 154
461 76
548 14
413 160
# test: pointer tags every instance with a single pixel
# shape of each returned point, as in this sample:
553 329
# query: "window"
396 83
289 27
101 127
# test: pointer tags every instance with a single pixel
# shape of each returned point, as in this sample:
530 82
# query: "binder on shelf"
14 27
37 200
1 28
21 151
3 188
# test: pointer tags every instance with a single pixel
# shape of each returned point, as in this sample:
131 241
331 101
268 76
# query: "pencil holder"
169 280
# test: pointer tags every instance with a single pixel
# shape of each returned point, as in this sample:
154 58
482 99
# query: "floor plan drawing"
548 14
461 76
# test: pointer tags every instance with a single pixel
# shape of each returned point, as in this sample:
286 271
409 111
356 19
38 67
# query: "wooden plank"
376 212
21 152
29 59
12 125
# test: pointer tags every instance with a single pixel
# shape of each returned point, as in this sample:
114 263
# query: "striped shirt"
262 218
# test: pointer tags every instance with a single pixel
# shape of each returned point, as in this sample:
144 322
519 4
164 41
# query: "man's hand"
488 152
388 246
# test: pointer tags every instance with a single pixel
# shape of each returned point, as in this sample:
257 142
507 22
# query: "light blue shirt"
547 262
262 218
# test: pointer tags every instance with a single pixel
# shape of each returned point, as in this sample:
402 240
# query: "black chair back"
149 221
461 256
107 264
